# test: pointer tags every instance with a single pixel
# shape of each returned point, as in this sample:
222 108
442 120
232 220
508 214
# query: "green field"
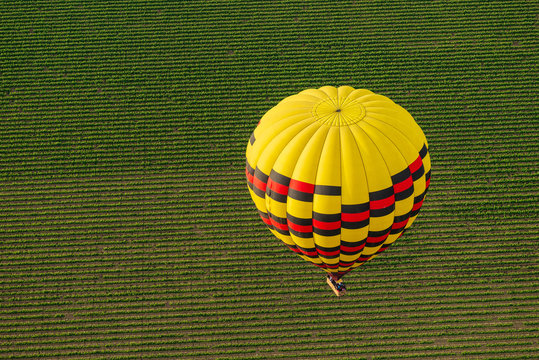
126 227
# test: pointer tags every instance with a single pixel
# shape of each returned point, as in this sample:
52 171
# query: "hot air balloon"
337 174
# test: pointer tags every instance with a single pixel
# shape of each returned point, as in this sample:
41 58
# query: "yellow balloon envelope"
338 174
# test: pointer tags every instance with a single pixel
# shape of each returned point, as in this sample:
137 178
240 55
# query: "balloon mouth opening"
338 110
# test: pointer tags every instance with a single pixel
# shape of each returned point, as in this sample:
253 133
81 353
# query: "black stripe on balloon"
275 195
378 233
327 190
336 256
383 212
397 230
250 171
401 218
277 219
260 175
252 138
427 175
423 152
364 258
415 212
298 221
300 234
383 234
281 231
306 251
326 217
420 198
328 250
351 253
259 192
263 178
418 173
323 232
355 209
300 195
401 176
279 179
332 266
263 214
295 221
417 200
353 244
249 168
294 248
404 194
351 225
381 194
357 244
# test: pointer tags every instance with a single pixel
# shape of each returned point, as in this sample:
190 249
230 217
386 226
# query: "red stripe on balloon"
294 249
375 239
302 186
249 176
328 253
400 224
382 204
326 225
259 184
403 185
309 253
267 221
417 206
363 258
383 247
300 228
278 225
416 164
355 217
278 188
353 249
332 266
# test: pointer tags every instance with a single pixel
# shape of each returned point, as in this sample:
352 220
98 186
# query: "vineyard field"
126 226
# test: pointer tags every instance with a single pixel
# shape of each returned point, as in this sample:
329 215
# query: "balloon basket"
335 285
